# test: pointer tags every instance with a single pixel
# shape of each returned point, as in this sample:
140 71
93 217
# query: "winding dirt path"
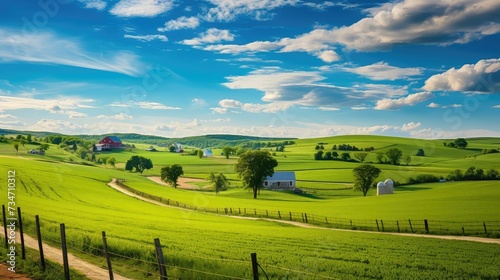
303 225
5 274
91 271
184 183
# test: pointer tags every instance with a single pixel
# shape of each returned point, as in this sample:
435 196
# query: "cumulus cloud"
384 71
410 126
482 77
434 105
212 35
7 116
258 46
329 56
180 23
12 123
422 22
94 4
496 106
146 38
226 104
121 117
141 8
155 106
64 106
228 10
44 47
410 100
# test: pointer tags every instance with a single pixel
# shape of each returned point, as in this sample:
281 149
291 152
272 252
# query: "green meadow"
61 189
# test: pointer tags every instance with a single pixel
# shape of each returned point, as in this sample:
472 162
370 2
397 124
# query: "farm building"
207 153
280 181
386 187
110 142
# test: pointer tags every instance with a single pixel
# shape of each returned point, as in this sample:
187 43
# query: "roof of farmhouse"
114 138
282 176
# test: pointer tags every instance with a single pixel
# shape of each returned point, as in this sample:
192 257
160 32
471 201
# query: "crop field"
79 197
198 245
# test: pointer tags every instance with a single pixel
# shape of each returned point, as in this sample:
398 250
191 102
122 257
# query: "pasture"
78 196
62 188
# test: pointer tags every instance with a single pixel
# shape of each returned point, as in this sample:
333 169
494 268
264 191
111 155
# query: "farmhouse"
207 153
110 142
280 181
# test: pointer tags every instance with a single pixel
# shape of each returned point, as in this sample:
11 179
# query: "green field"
78 196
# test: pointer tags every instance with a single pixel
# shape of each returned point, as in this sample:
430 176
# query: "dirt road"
446 237
91 271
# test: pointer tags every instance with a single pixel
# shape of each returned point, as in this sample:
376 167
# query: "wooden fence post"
484 225
305 215
382 223
20 219
290 216
411 228
160 259
326 220
106 254
279 215
463 230
64 252
426 224
5 226
397 223
255 268
40 243
267 214
378 229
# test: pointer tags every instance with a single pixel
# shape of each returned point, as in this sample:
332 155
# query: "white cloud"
410 126
228 10
359 108
147 38
410 100
329 56
434 105
212 35
180 23
43 47
121 116
64 106
54 126
453 106
155 106
226 104
12 123
469 78
328 108
141 8
496 106
427 22
258 46
7 116
198 102
94 4
384 71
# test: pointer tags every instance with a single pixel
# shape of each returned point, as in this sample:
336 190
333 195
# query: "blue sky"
294 68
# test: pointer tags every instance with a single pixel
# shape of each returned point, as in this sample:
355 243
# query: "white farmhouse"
281 180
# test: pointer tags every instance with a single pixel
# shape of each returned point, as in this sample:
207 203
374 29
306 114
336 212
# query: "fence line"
100 252
488 228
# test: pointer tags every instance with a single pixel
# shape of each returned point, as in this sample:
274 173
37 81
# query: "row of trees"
458 143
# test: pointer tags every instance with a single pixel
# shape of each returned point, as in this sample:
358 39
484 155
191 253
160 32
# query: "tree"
82 152
199 153
460 143
139 163
111 161
328 156
74 147
420 153
171 173
394 155
492 174
44 147
28 138
318 155
226 151
241 151
219 181
345 156
335 155
364 175
360 156
455 175
253 167
407 159
16 146
171 149
380 157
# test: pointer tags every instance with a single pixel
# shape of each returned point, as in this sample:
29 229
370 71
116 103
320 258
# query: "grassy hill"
77 195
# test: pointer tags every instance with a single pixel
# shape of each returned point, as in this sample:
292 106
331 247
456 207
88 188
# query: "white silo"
381 188
389 186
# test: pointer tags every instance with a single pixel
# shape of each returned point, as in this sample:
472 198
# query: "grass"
78 196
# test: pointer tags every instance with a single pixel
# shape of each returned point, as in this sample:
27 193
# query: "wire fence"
472 228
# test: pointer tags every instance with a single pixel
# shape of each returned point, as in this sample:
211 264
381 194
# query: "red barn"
111 142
